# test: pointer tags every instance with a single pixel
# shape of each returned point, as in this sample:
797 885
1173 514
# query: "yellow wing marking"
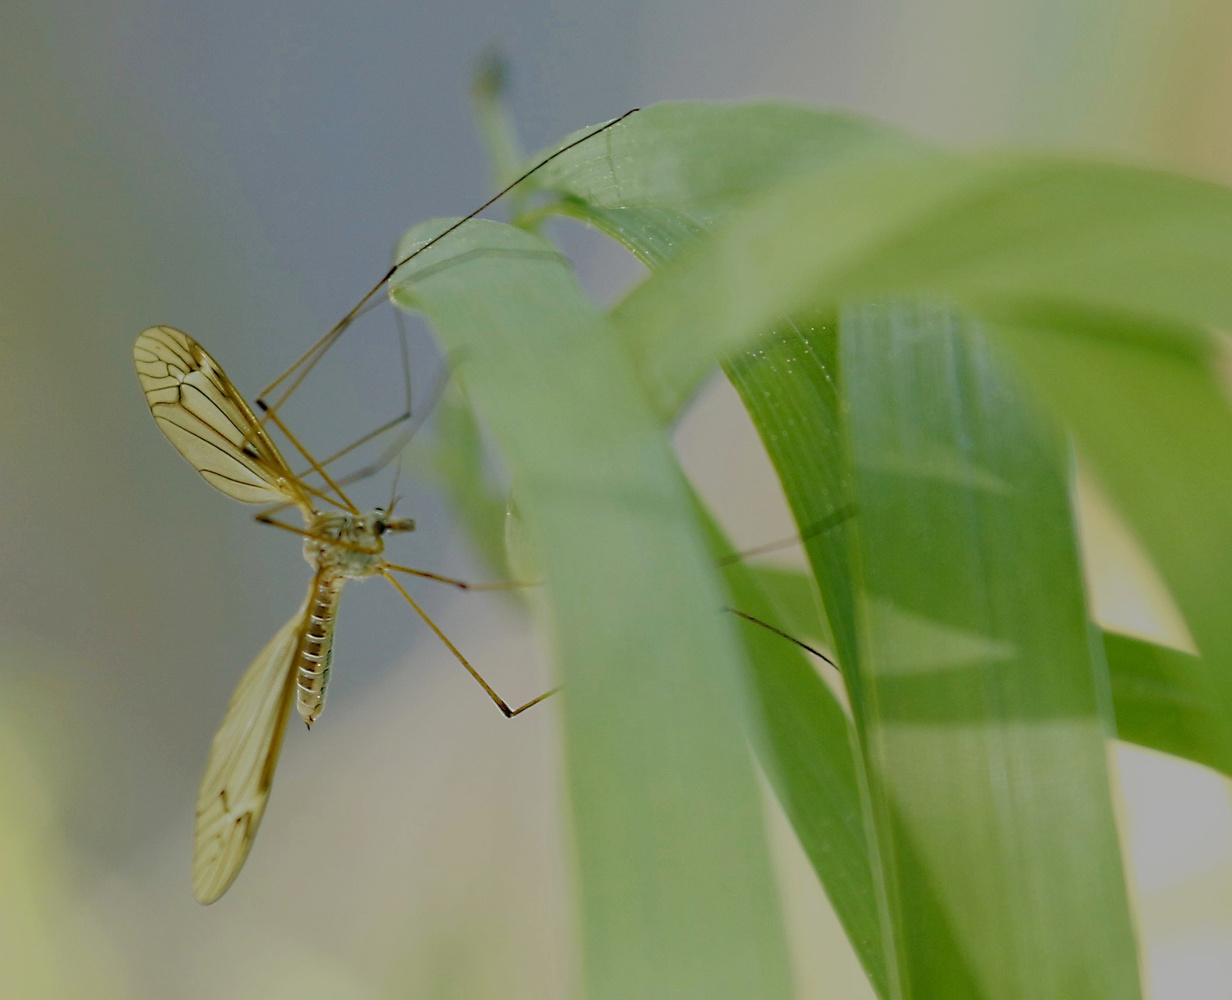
240 770
206 418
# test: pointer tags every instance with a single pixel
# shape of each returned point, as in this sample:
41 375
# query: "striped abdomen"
316 647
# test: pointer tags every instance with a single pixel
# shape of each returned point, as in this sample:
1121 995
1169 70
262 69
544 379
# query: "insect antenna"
393 487
300 369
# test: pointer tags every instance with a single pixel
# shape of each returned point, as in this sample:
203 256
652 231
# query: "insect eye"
380 527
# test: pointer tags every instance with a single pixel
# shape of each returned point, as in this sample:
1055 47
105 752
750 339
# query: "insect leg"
316 466
461 584
309 359
500 702
785 635
267 517
837 517
403 439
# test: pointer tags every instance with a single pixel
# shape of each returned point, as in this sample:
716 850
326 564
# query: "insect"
200 411
208 421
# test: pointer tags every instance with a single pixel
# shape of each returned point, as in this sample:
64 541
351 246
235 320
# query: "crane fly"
208 421
203 415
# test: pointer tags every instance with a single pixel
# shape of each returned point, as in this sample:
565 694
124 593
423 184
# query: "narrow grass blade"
972 605
676 892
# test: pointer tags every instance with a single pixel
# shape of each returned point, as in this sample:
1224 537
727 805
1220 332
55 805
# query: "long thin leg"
316 466
403 439
390 453
314 354
266 517
500 703
784 635
843 513
291 503
401 418
461 584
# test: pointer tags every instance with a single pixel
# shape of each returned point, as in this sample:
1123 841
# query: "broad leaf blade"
675 885
789 381
972 609
1152 420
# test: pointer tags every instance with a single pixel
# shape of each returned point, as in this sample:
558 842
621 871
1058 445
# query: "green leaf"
804 742
793 596
971 609
1003 236
661 179
1160 695
789 381
1162 702
676 894
1099 276
1151 419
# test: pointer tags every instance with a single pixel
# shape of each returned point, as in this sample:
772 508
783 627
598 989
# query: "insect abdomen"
316 648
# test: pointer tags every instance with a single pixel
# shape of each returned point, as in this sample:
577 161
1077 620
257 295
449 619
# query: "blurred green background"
241 171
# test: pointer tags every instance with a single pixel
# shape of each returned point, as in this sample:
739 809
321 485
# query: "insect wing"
205 417
240 769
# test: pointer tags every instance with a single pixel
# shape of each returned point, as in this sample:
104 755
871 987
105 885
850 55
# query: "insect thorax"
349 544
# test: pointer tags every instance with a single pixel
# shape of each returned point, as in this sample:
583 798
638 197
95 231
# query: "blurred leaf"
666 175
1076 261
1001 235
675 884
971 606
1151 419
1134 261
789 382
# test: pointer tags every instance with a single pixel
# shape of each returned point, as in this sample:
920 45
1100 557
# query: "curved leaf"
675 884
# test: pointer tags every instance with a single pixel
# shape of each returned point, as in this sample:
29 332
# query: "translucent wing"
240 770
207 420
